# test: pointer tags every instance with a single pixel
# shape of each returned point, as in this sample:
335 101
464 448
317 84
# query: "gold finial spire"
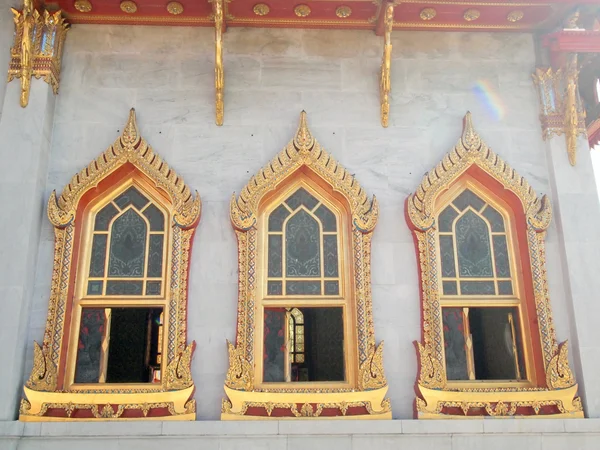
303 141
131 134
470 138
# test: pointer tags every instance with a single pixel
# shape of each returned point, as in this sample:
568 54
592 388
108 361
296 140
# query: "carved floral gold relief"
556 394
37 48
247 397
49 392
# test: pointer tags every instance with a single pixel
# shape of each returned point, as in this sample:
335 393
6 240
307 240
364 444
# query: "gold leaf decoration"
174 8
471 15
371 373
128 6
515 16
431 372
261 9
302 10
558 373
469 150
303 150
83 6
132 148
239 376
179 371
343 12
427 13
43 373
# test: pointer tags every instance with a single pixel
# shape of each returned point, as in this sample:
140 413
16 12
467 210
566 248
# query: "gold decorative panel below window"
115 345
305 344
489 347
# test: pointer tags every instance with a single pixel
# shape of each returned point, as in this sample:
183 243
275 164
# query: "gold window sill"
251 405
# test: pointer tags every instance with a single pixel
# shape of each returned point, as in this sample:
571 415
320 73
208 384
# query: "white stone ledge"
217 429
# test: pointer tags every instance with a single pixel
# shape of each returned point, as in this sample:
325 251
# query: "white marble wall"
271 75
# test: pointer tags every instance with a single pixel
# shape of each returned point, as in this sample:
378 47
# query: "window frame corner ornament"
241 389
436 397
48 387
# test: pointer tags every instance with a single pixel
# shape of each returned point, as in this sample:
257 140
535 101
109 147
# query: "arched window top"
115 344
304 310
487 322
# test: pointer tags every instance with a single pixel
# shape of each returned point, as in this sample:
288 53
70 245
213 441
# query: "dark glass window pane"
449 287
277 217
447 255
274 288
473 246
131 196
98 258
332 288
303 258
127 246
133 337
477 288
155 255
466 199
303 288
155 217
505 288
501 256
330 255
275 255
326 217
447 218
274 347
301 197
153 287
324 344
454 344
95 288
104 217
124 287
495 218
494 344
91 333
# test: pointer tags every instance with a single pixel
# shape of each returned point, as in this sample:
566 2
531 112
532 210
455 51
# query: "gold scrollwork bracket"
386 65
179 371
561 110
37 49
239 376
219 72
558 373
43 373
431 371
371 373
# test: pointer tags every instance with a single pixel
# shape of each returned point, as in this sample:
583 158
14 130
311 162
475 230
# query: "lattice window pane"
128 246
473 247
155 217
301 197
303 258
131 197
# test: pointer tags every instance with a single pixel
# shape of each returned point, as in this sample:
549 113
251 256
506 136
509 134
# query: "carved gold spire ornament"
50 392
554 394
37 48
561 109
303 160
385 82
219 73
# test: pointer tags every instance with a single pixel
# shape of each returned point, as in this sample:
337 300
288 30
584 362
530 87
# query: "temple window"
115 345
304 332
120 336
481 308
305 344
488 346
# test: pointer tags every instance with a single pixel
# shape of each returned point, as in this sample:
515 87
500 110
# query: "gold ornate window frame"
555 392
247 398
49 392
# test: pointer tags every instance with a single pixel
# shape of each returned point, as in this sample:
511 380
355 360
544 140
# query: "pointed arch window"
122 301
481 308
305 344
488 344
115 345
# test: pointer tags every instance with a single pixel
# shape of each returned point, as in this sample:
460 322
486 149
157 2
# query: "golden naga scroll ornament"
50 397
385 83
219 73
437 399
37 49
244 395
561 110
